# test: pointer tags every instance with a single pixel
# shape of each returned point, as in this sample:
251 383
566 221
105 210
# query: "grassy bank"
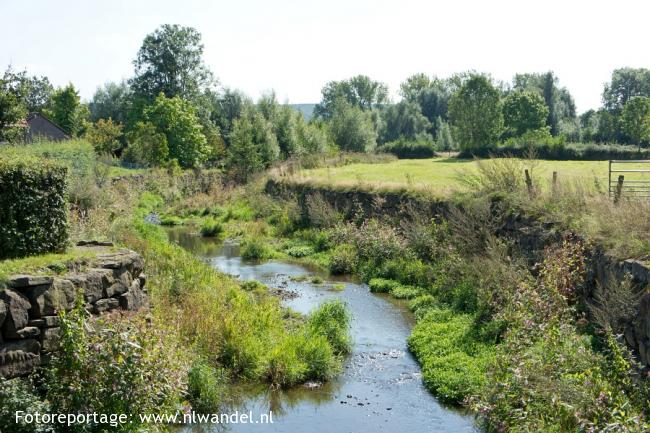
204 331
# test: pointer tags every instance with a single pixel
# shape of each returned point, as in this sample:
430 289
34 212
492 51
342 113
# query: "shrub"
299 251
405 292
343 260
381 285
332 321
20 395
211 228
319 358
206 387
146 146
254 248
115 365
404 148
454 363
170 220
33 214
105 136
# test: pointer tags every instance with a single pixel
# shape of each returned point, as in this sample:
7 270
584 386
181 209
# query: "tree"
244 156
146 146
112 101
359 91
12 115
404 119
34 93
444 139
170 62
67 111
561 107
352 129
177 120
475 113
626 83
523 111
636 119
105 136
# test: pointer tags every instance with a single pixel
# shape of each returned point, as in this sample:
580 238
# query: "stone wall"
530 235
29 304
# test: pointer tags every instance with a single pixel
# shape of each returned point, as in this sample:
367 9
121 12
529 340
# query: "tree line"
173 111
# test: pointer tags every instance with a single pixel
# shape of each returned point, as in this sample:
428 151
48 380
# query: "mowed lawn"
445 174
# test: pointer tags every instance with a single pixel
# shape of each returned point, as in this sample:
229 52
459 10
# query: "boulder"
18 358
17 315
105 305
134 299
50 339
3 312
49 300
22 281
26 332
93 283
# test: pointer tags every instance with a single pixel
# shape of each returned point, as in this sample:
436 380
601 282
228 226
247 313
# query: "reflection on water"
380 388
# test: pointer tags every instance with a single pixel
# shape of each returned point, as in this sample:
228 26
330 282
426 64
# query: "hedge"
563 152
33 214
409 149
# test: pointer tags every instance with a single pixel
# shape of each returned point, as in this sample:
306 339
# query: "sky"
296 46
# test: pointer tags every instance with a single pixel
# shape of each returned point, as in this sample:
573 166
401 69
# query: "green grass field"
445 174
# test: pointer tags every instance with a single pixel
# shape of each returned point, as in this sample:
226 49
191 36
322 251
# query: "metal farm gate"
629 179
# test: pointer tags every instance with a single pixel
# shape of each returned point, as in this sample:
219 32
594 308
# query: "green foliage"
66 110
523 111
444 138
405 292
146 146
170 62
211 228
332 321
404 120
206 387
20 395
33 211
178 121
105 136
382 285
403 148
636 119
33 93
626 83
253 146
454 363
118 366
299 251
112 101
359 91
351 128
343 260
12 115
254 248
475 113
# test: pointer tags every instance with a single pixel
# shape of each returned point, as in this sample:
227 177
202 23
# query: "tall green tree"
523 111
33 92
176 118
359 91
625 84
561 107
112 101
12 115
636 119
67 111
404 119
170 61
475 114
352 129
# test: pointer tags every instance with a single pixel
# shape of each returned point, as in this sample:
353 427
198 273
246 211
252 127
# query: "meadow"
444 175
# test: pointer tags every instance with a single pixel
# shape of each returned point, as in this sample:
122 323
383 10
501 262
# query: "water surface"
380 388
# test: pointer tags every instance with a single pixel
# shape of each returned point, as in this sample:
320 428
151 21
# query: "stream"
380 387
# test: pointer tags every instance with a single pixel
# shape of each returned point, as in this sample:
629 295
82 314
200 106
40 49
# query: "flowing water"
380 388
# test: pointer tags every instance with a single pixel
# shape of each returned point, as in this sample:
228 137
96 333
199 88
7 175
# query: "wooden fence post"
619 189
554 181
529 183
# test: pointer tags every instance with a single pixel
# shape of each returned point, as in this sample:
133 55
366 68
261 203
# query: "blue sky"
296 46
